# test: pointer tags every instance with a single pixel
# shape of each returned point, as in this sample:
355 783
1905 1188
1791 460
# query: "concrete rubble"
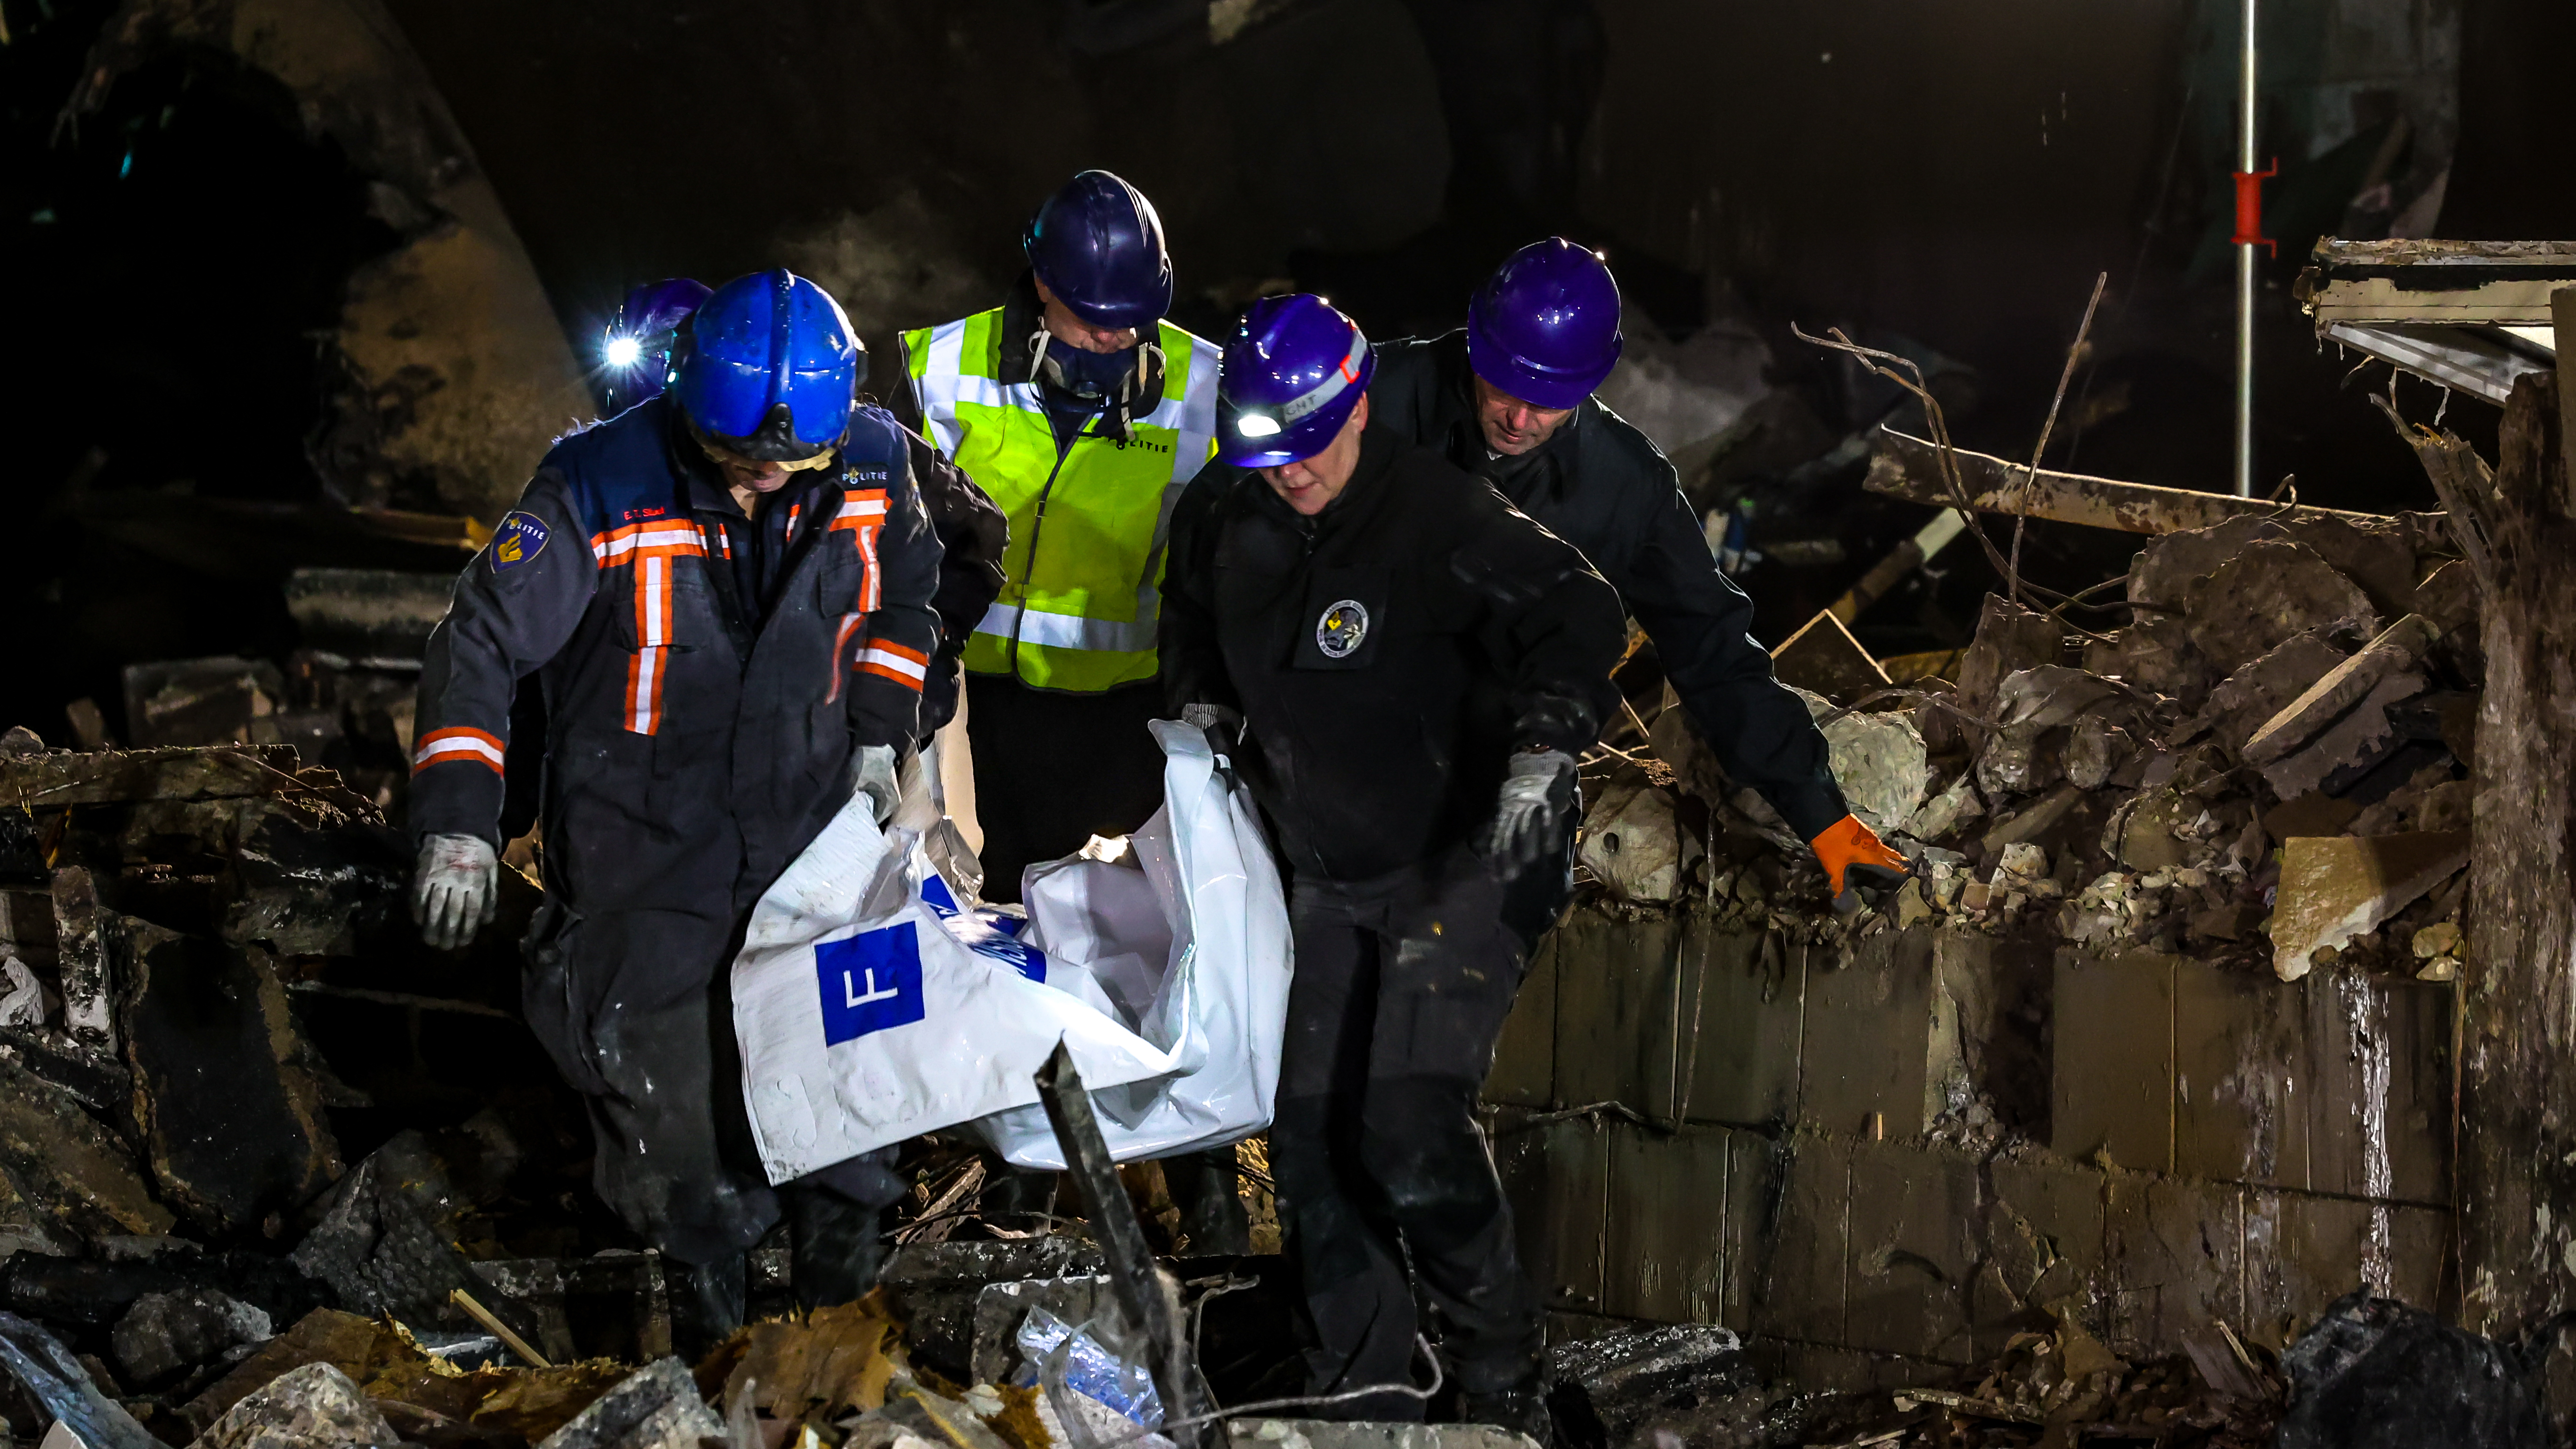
2138 787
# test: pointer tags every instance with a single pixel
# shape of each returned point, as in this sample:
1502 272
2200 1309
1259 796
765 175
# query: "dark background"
1939 176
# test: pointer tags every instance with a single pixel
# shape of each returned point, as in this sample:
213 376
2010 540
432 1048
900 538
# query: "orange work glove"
1853 856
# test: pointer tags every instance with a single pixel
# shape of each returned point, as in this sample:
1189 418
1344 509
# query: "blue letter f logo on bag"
870 982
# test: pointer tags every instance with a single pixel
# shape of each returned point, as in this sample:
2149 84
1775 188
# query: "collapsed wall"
2161 1036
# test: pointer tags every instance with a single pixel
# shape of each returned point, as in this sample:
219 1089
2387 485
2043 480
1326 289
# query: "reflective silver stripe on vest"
1069 631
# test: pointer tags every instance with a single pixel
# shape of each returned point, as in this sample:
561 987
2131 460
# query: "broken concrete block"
63 1162
2442 938
1631 844
2269 591
361 1348
2096 747
215 701
22 997
2025 753
232 1122
80 944
656 1407
2246 700
1823 658
2350 747
56 1381
1879 761
164 1333
2175 1249
2009 639
1603 1388
382 1246
2157 655
2396 649
1941 816
2024 860
313 1407
306 871
2334 888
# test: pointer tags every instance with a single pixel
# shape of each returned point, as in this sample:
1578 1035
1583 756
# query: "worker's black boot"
838 1247
1203 1187
1522 1408
707 1302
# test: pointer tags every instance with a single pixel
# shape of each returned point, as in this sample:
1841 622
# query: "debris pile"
2267 762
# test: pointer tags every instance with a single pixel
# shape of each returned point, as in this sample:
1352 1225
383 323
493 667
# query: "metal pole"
2245 277
1147 1296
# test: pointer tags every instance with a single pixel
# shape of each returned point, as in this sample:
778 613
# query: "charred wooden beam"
1909 467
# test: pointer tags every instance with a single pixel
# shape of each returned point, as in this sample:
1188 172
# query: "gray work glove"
1536 805
872 773
1222 726
456 889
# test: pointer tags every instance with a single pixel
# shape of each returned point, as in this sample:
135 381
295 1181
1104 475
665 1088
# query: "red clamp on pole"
2249 208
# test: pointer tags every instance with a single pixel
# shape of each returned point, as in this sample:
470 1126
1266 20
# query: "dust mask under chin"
1090 375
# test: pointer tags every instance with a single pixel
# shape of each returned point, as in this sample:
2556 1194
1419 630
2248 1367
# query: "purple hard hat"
1098 246
1291 376
1545 326
636 354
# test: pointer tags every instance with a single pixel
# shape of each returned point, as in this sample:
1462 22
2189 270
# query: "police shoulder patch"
1342 629
521 537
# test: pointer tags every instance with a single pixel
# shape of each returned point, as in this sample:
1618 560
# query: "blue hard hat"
636 353
1292 374
1545 326
1098 246
771 367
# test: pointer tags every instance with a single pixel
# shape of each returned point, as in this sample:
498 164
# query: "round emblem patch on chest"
1342 629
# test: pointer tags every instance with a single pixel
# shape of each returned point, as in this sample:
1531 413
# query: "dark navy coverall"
707 677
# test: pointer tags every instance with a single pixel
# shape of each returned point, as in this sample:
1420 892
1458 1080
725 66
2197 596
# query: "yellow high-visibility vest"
1083 575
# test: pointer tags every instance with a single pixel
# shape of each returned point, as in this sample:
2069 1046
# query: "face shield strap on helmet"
1269 423
776 436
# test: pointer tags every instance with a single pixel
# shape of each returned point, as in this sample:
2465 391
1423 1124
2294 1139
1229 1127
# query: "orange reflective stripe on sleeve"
457 743
907 667
863 513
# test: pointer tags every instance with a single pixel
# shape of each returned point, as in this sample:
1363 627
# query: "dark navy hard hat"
636 353
770 368
1290 378
1545 326
1098 246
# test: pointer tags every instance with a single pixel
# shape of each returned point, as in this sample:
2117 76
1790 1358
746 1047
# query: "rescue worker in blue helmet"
1402 669
1082 414
1510 399
637 353
724 593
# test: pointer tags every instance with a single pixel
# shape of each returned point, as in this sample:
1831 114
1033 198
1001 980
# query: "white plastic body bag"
872 1005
